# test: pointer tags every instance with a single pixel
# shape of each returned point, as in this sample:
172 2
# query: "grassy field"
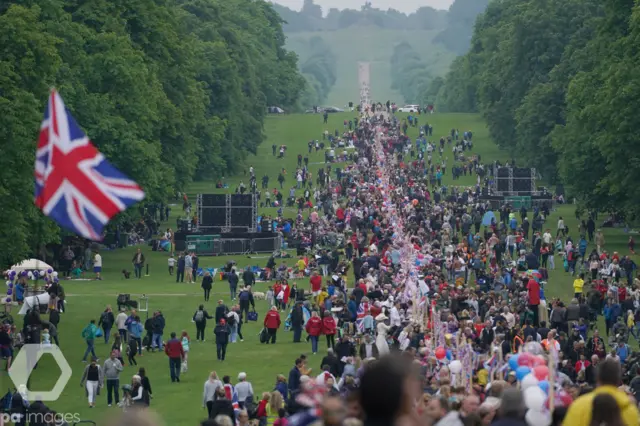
181 403
374 45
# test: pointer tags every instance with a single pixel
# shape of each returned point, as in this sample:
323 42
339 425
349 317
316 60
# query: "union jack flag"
75 184
234 399
363 311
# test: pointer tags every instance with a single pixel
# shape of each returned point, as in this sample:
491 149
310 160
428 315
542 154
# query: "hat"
242 376
381 317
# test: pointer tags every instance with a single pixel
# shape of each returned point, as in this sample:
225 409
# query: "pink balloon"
538 360
525 359
541 372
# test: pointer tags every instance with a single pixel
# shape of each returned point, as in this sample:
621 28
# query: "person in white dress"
381 340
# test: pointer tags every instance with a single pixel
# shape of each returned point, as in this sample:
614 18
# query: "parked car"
275 110
332 109
409 108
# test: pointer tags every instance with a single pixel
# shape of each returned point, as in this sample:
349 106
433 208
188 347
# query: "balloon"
534 398
528 381
49 271
525 359
541 372
521 372
513 362
55 274
10 285
455 367
13 273
8 300
417 262
440 352
42 273
544 385
449 354
537 418
538 360
9 292
23 273
414 202
30 275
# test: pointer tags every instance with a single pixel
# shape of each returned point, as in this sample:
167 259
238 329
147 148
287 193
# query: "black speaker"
503 185
241 217
213 216
242 200
214 200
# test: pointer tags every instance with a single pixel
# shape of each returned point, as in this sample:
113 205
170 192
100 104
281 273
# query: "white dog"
258 295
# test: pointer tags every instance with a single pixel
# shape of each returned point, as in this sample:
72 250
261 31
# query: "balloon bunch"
12 277
538 384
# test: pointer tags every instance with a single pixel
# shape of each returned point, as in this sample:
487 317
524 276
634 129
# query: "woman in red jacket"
272 323
314 328
329 328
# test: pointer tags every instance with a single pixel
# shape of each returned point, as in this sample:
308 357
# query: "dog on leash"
258 295
126 274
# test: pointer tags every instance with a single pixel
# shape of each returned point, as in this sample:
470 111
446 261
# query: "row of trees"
557 84
455 25
169 91
410 75
320 71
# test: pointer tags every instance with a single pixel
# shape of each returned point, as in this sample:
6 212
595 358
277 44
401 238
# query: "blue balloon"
544 385
9 292
513 362
418 262
521 372
449 354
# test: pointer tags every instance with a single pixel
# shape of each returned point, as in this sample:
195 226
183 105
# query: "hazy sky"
406 6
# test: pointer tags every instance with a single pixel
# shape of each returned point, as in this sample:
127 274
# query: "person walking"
200 318
89 336
106 321
207 285
272 323
97 265
135 330
297 321
180 270
233 279
121 323
232 321
138 263
174 351
157 328
244 389
329 329
188 268
246 300
92 381
111 369
222 332
248 277
209 394
314 329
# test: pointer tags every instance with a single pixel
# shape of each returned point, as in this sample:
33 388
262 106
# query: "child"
132 350
172 263
185 347
117 348
46 337
270 297
282 419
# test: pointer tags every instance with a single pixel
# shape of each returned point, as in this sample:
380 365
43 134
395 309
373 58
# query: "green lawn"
181 403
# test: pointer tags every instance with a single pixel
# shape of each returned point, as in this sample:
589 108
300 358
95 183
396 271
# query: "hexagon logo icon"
24 363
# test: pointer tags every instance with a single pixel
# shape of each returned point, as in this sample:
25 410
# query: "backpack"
199 316
244 295
231 319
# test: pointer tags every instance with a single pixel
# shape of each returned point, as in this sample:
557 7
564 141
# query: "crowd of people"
446 320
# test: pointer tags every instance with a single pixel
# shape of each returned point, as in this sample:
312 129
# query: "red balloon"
538 360
440 352
525 359
541 372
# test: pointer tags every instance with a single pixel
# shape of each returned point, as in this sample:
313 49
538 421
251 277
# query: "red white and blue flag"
363 311
75 184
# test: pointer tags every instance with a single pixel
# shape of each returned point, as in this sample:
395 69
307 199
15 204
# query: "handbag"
184 368
99 333
252 316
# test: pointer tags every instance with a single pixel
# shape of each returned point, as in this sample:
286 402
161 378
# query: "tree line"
169 90
455 26
556 81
